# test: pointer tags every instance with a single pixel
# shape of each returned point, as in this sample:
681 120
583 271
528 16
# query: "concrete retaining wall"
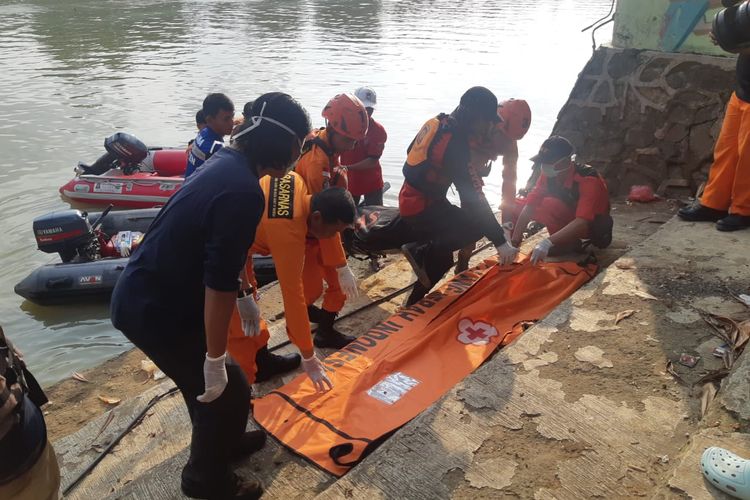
643 117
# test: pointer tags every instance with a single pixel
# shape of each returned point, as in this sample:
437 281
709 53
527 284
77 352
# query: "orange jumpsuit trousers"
728 186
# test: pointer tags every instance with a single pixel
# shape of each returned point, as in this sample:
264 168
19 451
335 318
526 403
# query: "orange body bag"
407 362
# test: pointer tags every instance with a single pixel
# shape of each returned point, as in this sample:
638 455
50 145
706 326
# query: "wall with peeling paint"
666 25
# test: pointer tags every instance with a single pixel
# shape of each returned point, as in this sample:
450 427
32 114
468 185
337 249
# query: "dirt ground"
74 403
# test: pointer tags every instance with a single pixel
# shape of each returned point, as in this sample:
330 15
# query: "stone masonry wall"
646 117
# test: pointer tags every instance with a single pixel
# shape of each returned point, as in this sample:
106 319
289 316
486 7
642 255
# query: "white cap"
368 97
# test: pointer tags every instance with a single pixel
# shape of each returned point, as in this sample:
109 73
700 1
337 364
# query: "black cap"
481 102
553 150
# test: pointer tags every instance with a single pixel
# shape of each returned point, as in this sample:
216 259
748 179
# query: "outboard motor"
68 233
123 150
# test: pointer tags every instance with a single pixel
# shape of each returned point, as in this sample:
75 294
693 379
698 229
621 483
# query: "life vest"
337 172
571 195
424 168
405 363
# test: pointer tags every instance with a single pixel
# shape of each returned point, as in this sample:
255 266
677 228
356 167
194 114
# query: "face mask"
550 169
256 121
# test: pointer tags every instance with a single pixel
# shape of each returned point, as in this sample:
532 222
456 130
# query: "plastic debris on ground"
688 360
720 352
642 194
152 370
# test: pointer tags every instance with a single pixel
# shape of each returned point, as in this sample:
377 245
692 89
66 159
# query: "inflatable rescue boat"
93 249
128 175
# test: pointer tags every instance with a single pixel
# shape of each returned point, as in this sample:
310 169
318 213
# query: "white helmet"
368 97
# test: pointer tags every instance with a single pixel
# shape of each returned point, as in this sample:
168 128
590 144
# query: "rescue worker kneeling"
325 259
438 157
292 222
570 199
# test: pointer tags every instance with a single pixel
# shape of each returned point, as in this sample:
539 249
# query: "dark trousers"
371 198
445 228
218 425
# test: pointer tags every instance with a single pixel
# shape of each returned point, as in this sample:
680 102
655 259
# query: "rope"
133 424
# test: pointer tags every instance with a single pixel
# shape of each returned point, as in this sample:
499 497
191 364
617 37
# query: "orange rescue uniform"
282 234
320 168
728 186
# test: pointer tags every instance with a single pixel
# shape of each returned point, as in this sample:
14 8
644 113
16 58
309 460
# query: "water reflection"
83 36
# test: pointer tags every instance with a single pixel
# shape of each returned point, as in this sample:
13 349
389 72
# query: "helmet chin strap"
256 121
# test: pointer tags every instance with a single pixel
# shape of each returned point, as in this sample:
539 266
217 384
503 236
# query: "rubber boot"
414 253
314 313
462 261
327 335
249 443
733 222
270 365
700 213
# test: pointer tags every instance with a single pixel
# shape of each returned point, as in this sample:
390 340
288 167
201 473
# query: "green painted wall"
666 25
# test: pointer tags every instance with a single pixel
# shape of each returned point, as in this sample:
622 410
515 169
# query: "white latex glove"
506 253
215 378
317 373
348 282
250 313
540 251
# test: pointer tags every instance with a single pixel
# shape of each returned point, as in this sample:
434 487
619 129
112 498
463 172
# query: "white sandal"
727 472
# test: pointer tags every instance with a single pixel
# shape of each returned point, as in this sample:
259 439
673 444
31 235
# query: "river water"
75 71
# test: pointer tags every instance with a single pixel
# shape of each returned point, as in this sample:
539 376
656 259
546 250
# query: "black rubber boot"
733 222
236 488
327 335
249 443
417 294
462 260
699 213
414 253
270 365
314 313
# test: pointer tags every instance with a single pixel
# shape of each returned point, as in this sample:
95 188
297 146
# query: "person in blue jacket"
175 298
218 113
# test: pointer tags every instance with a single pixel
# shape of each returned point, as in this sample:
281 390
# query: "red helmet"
516 116
347 116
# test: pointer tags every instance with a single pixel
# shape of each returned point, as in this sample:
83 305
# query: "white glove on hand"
540 251
215 378
348 282
250 313
317 373
506 253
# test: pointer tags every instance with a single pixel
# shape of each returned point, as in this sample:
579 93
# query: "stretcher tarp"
407 362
